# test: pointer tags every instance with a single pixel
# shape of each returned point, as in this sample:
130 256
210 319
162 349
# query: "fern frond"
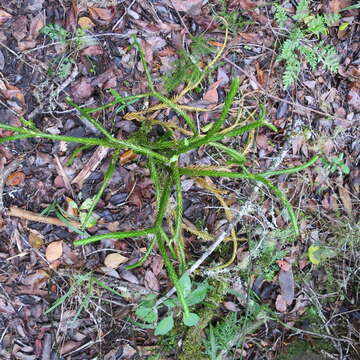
292 69
316 25
332 19
310 55
280 15
302 10
328 56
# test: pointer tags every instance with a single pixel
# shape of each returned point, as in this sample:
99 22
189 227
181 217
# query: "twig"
3 176
31 216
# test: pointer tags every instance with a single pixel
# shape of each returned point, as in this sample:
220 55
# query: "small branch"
31 216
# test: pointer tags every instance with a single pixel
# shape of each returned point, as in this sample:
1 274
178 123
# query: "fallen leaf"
82 89
337 5
280 304
4 17
127 156
212 95
287 286
54 251
151 282
85 23
16 178
231 306
345 199
36 240
35 25
284 265
191 7
113 260
101 14
92 50
354 99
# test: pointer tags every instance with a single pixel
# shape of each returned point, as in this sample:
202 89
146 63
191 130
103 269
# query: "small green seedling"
148 312
55 32
336 162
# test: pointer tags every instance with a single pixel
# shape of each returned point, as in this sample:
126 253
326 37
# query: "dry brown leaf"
345 199
101 14
113 260
16 178
36 240
280 304
287 286
151 282
4 17
92 50
54 251
212 95
127 156
81 89
85 23
337 5
191 7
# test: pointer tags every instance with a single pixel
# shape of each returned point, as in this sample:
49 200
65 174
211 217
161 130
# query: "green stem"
247 175
203 140
172 274
120 144
146 255
115 235
178 239
227 105
107 177
291 170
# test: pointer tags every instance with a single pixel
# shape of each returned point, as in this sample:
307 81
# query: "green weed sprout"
162 160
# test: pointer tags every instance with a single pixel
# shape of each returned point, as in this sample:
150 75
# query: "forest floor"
265 291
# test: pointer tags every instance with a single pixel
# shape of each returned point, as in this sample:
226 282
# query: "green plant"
187 68
334 163
300 42
82 284
165 171
55 32
233 17
148 312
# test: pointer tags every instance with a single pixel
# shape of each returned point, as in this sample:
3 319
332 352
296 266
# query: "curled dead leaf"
192 7
101 14
4 17
127 156
113 260
16 178
54 251
36 240
85 23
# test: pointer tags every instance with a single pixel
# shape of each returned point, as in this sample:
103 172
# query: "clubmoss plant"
165 171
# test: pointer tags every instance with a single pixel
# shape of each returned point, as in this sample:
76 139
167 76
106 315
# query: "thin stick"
31 216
